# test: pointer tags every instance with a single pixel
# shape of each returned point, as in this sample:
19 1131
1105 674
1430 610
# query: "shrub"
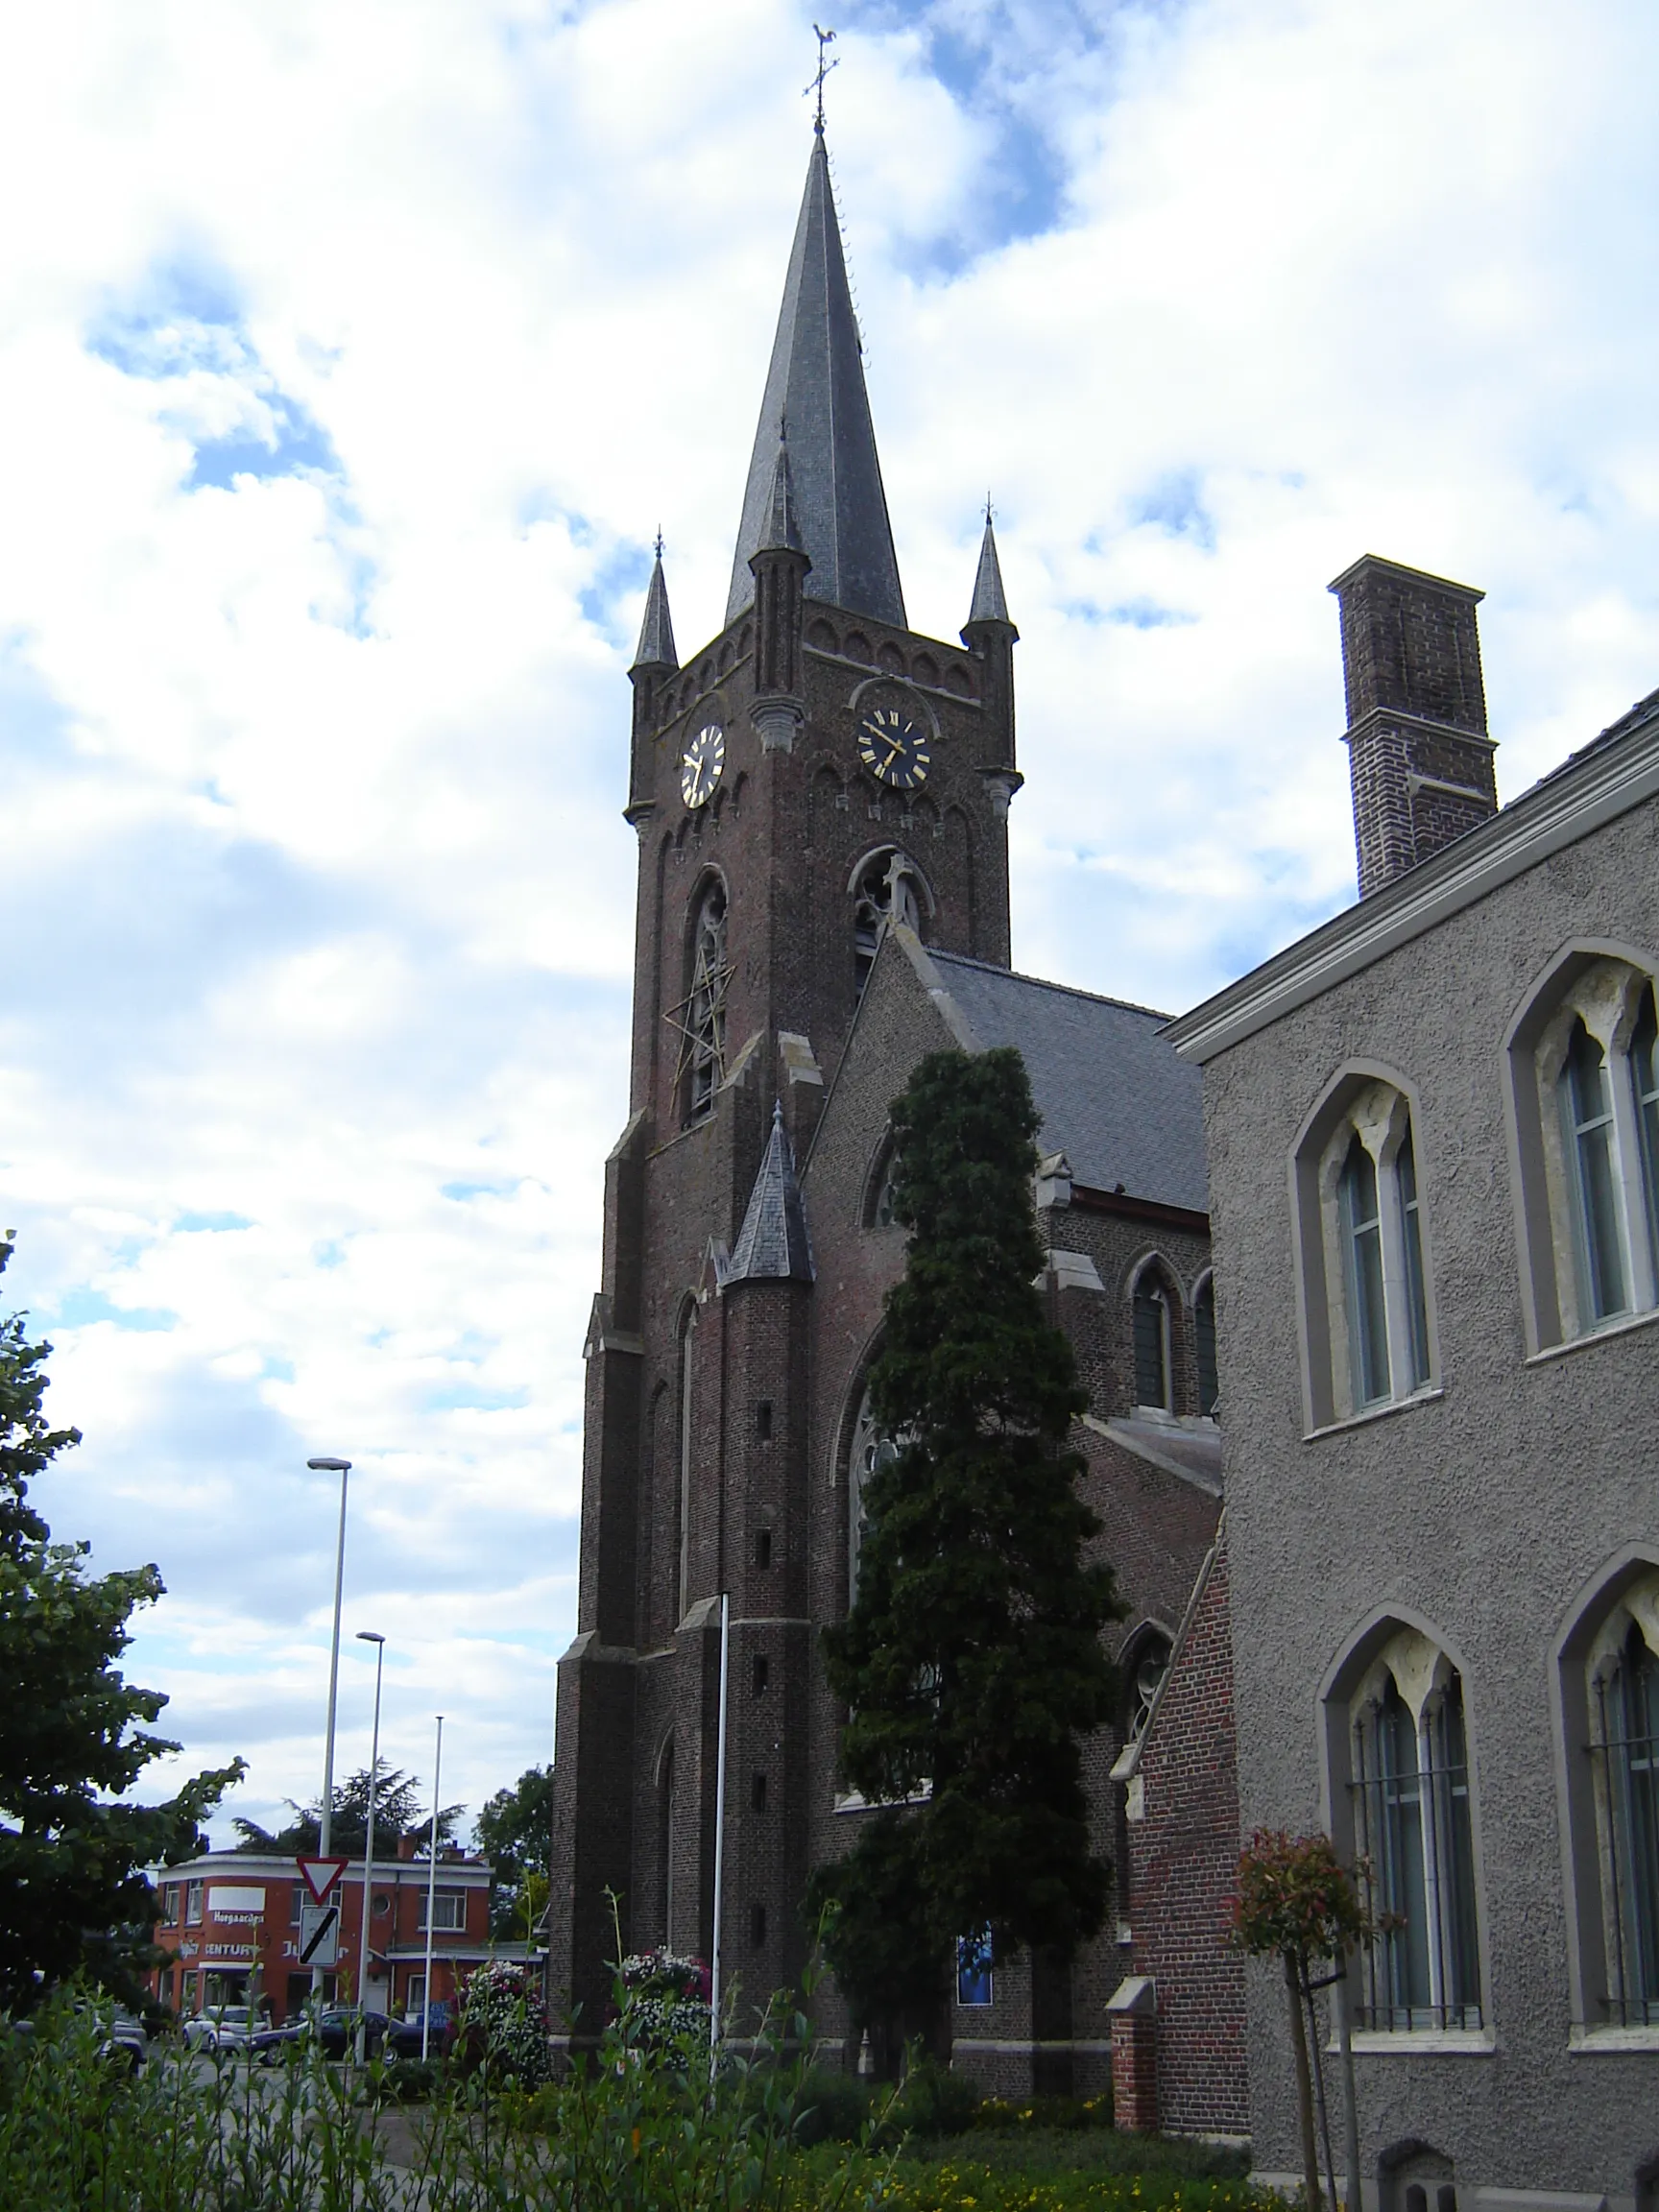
831 2108
934 2101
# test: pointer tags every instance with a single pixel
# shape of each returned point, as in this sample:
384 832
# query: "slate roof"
1115 1097
656 648
989 602
815 397
772 1244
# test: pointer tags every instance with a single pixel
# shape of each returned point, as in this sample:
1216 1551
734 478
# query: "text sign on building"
319 1934
320 1875
235 1901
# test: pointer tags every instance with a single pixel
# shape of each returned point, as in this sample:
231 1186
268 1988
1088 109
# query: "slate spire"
816 385
990 605
779 532
656 648
772 1244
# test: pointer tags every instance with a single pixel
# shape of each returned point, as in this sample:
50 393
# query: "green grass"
1059 2173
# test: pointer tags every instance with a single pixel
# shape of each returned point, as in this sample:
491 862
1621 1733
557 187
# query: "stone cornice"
1605 781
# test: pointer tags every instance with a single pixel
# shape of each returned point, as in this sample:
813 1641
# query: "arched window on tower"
1204 1344
889 888
873 1450
699 1017
1151 1335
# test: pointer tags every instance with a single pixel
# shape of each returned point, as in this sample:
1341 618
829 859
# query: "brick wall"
1184 1855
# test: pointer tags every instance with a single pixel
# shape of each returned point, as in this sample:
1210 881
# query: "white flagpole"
431 1889
719 1820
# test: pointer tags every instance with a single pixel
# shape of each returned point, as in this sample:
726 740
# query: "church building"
821 797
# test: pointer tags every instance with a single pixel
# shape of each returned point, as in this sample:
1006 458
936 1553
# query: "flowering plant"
504 2022
664 1995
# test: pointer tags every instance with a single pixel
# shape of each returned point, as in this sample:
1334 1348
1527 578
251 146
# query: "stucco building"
1434 1129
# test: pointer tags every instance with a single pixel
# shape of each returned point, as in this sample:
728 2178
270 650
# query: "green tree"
398 1813
972 1661
74 1734
515 1834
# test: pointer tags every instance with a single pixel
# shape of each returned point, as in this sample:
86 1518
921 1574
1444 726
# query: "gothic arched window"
873 1449
1151 1336
699 1017
889 888
1586 1104
1203 1339
1408 1783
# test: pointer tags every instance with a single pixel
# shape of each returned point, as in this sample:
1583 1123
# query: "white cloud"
349 355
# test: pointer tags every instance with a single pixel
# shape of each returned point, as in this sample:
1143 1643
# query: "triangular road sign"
321 1875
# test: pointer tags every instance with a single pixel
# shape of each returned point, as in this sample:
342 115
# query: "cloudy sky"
350 354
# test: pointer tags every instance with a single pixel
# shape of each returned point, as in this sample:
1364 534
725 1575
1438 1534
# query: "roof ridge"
1045 983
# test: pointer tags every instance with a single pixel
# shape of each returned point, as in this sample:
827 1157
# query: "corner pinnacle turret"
656 647
815 384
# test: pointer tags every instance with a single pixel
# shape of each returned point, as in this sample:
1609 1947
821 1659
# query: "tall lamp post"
368 1636
342 1468
431 1892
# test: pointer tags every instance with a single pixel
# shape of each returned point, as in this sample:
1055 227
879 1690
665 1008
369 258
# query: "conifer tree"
972 1661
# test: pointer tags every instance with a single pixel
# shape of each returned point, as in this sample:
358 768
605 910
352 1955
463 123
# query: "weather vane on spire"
826 39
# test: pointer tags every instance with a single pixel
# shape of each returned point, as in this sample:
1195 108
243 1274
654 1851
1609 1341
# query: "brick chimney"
1418 753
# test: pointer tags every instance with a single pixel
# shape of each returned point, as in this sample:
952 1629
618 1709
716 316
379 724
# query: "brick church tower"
816 776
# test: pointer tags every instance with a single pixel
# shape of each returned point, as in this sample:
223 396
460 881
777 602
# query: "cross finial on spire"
990 511
659 540
826 39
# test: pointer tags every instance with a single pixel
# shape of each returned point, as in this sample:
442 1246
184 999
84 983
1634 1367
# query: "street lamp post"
431 1891
368 1636
342 1468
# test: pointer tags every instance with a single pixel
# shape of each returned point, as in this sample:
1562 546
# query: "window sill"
1415 2042
1597 1335
1427 1396
1595 2039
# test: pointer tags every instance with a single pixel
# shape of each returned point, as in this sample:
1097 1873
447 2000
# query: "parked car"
333 2030
404 2036
224 2027
126 2041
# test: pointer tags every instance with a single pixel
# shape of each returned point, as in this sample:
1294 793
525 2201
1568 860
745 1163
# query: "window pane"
1589 1111
1151 1369
974 1968
1634 1766
1644 1073
1367 1313
1460 1967
1411 1241
1405 1942
1204 1331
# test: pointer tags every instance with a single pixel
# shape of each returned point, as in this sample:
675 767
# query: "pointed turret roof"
656 648
780 533
989 602
816 385
772 1244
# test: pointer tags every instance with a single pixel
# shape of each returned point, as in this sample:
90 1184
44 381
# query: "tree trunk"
1303 2081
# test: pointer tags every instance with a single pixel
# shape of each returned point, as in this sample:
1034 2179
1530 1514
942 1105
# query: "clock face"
701 763
894 747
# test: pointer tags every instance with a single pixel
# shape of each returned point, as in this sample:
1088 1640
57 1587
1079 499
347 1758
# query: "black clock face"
701 763
894 747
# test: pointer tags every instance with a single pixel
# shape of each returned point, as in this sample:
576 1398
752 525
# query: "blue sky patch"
1147 614
202 1224
1173 503
78 1308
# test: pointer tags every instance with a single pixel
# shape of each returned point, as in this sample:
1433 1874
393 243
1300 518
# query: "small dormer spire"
772 1246
989 602
779 533
656 648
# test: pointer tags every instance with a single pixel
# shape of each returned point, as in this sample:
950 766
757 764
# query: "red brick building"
1178 2018
230 1921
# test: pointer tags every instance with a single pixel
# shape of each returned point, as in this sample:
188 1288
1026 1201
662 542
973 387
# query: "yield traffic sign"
321 1875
